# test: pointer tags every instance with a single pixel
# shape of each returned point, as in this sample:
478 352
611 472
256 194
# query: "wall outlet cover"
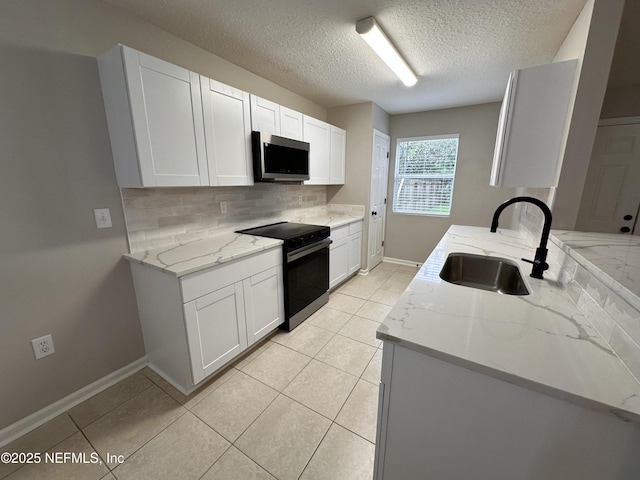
43 346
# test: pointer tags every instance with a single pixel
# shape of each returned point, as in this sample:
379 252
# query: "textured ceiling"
461 50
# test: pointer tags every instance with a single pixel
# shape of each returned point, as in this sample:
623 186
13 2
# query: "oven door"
306 281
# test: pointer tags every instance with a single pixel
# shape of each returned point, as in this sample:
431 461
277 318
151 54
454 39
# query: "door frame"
370 233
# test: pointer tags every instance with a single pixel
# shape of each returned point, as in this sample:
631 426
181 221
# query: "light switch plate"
103 217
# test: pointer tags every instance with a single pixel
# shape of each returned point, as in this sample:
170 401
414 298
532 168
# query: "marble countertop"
190 257
539 341
330 220
612 258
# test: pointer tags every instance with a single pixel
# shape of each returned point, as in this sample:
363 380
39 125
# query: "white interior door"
378 200
612 190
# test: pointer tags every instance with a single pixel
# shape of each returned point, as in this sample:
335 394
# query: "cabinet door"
338 262
355 252
290 123
263 303
167 122
338 153
265 116
216 329
533 125
318 134
228 133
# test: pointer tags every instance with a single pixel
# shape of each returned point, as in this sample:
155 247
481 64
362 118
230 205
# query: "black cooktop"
294 234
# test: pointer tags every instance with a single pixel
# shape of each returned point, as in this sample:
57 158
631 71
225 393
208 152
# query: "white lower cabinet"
345 252
457 423
263 303
338 261
216 329
196 324
355 251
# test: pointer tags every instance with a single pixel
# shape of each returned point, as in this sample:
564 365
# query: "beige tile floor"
302 405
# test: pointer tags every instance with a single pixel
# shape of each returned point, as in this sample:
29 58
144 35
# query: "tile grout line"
116 407
302 405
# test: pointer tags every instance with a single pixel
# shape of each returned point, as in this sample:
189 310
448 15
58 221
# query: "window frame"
447 176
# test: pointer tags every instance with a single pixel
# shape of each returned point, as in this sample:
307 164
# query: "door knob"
625 229
628 217
374 213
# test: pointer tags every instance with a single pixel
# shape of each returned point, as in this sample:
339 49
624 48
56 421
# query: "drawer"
197 284
355 227
339 233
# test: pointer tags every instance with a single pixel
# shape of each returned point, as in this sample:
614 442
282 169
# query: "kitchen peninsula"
476 384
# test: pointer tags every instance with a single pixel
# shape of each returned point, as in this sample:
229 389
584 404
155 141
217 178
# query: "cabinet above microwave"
534 120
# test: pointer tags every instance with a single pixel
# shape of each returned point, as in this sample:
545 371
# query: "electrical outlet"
43 346
103 217
223 207
299 199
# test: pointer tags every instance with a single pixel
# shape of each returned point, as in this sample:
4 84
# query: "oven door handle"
301 252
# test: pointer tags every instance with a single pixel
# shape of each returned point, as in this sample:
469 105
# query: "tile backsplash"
531 218
157 217
613 317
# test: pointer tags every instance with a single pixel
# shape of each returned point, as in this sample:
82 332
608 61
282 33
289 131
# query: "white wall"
60 274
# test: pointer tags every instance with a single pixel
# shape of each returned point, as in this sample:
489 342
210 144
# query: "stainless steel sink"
486 273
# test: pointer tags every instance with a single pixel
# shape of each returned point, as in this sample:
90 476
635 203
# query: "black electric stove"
305 264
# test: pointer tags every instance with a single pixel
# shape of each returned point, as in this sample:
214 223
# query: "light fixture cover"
369 29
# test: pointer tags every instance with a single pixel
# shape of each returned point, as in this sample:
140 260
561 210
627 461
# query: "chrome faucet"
540 261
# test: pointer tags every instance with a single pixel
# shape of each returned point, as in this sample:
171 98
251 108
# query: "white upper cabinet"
269 117
265 116
291 124
533 125
318 134
338 153
327 152
154 113
227 129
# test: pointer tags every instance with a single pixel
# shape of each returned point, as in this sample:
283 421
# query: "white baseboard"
399 261
33 421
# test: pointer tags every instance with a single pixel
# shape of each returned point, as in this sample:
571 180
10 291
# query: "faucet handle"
539 263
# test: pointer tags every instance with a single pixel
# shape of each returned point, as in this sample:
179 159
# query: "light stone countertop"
190 257
182 259
539 341
612 258
330 220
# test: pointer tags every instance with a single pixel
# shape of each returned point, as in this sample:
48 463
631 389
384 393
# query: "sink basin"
486 273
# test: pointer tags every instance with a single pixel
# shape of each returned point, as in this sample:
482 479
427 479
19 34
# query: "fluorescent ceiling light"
369 29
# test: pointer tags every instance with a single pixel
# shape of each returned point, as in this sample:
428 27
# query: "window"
425 168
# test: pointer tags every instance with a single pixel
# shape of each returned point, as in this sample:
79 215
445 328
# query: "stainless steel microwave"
279 159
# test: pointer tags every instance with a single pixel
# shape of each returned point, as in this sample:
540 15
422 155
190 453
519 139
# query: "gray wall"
413 237
60 274
359 121
621 102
